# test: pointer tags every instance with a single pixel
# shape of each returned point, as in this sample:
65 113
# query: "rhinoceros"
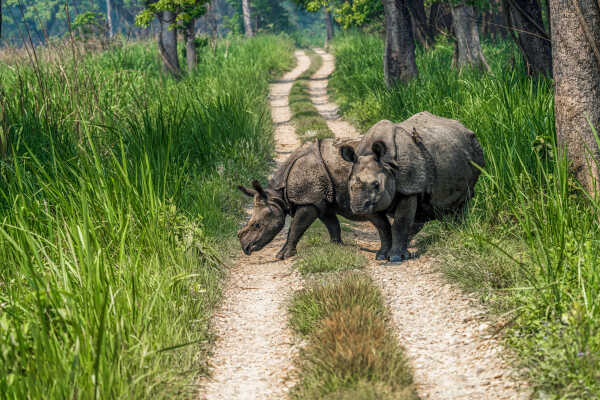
416 170
312 183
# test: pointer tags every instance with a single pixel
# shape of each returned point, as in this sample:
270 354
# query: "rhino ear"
379 149
348 154
246 191
259 189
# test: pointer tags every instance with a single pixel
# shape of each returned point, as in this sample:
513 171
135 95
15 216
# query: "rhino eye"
256 225
376 185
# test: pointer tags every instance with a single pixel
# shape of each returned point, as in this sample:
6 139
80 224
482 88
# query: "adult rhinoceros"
312 183
416 170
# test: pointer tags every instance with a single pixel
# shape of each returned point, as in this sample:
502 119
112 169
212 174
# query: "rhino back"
307 181
453 149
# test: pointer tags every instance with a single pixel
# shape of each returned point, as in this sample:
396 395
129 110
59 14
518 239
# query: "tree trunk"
576 69
420 24
167 43
190 46
468 48
328 26
247 18
109 19
524 18
399 59
440 19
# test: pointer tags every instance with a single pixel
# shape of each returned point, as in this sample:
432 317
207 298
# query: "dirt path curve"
443 330
318 92
255 349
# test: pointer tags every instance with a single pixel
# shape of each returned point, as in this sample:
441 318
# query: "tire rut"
254 350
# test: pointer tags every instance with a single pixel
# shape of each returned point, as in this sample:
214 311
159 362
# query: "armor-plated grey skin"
417 170
312 183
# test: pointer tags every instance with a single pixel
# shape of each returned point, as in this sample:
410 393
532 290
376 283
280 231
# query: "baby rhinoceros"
312 183
417 170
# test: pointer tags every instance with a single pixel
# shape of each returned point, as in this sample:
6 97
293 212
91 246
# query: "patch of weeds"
351 351
308 122
329 257
314 304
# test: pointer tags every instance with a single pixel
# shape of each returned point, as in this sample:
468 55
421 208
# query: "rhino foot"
381 255
399 256
286 253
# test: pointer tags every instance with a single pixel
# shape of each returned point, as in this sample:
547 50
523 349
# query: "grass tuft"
351 351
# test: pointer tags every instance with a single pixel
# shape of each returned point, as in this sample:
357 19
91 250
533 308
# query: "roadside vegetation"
530 243
308 122
117 196
351 351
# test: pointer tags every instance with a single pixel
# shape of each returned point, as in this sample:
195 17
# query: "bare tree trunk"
109 19
420 24
190 46
440 19
524 18
399 59
247 18
167 43
576 69
497 21
468 47
328 26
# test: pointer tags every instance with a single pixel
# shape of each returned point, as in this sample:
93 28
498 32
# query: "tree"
575 27
422 31
174 15
468 47
524 19
109 20
247 18
399 63
328 26
167 42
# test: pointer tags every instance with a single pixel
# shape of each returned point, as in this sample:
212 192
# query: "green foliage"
531 241
186 11
358 12
89 23
116 204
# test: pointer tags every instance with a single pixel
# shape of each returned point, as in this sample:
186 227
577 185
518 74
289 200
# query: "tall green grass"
116 194
531 241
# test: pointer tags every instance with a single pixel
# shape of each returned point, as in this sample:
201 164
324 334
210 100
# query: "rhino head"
266 221
371 184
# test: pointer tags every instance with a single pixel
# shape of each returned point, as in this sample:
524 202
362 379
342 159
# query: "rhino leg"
304 217
402 227
384 229
333 227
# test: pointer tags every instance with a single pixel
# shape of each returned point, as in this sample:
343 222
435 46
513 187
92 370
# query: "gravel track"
254 351
445 332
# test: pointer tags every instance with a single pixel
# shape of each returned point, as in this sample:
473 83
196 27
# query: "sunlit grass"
116 195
